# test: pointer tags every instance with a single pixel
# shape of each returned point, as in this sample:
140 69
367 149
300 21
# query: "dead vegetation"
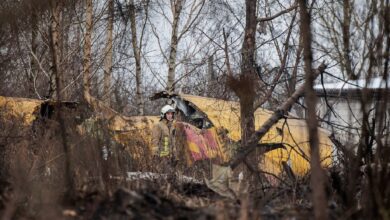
71 162
33 180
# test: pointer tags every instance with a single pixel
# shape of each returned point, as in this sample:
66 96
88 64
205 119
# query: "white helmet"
165 109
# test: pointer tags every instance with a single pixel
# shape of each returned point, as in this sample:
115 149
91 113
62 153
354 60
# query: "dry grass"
32 180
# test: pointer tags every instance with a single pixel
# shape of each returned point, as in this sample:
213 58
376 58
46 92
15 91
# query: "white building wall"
344 121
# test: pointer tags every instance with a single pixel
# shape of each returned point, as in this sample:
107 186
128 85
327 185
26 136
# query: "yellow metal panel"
21 108
136 131
291 132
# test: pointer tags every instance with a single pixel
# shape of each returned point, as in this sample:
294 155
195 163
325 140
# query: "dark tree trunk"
58 74
245 88
317 180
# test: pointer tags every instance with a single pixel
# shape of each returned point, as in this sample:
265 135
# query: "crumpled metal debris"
224 183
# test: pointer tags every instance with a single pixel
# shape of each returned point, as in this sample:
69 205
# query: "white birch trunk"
174 42
137 57
108 54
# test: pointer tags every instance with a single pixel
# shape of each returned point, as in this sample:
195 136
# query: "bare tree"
87 52
317 174
34 45
183 18
245 89
177 6
137 55
109 54
58 73
346 25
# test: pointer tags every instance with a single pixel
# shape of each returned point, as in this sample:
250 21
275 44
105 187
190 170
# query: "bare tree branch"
278 114
277 14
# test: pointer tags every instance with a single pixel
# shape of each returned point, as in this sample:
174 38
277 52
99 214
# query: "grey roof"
351 86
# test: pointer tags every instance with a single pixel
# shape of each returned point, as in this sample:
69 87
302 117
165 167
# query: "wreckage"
208 129
288 140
